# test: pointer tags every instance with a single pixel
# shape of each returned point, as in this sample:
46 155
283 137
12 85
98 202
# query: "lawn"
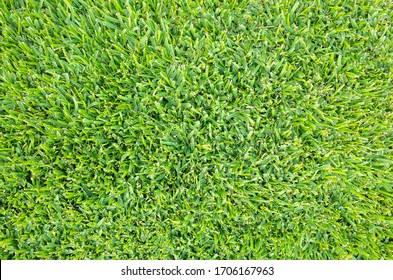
165 129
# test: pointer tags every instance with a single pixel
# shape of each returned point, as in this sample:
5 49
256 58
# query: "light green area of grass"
196 129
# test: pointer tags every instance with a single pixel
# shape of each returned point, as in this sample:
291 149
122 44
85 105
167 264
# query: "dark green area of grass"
196 129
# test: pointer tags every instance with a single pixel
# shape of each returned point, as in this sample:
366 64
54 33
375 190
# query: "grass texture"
196 129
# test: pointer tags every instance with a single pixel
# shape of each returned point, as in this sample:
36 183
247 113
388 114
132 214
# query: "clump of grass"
196 129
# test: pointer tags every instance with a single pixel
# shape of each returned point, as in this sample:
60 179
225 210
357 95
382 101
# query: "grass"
196 129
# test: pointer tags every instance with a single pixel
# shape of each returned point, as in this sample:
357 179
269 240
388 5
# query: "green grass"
196 129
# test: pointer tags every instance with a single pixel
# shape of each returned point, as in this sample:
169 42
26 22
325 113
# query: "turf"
196 129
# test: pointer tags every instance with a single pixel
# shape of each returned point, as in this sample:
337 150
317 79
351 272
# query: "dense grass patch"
196 129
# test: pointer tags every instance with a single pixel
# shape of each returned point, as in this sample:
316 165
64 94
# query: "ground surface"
196 129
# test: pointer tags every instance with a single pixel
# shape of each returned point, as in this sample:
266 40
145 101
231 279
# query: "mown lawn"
163 129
